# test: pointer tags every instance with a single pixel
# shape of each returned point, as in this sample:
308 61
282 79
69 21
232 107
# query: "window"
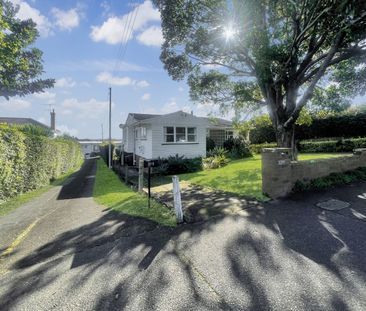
143 132
180 134
191 134
229 134
140 133
169 134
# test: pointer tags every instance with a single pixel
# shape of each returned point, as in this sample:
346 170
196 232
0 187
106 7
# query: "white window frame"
174 134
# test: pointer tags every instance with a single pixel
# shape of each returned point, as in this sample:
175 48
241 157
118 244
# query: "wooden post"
122 157
141 174
177 200
126 174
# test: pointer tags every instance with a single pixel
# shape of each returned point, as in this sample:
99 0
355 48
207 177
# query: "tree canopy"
249 54
20 64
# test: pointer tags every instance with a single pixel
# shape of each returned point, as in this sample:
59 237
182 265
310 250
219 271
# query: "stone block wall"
279 173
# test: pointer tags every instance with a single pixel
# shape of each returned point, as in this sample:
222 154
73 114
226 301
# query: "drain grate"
333 205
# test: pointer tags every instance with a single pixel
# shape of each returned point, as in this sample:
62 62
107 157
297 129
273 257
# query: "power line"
126 34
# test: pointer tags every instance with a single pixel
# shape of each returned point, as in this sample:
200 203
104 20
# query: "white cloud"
66 82
44 26
45 95
142 83
152 36
64 129
116 29
146 96
66 20
108 78
98 65
90 109
15 104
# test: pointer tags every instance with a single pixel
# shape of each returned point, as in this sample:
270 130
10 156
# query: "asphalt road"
288 255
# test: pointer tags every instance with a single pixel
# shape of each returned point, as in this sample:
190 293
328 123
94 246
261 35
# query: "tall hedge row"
344 125
29 161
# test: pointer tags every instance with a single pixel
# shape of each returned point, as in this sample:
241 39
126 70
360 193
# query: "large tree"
20 63
248 54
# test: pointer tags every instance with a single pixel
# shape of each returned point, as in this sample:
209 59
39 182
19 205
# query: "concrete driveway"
286 255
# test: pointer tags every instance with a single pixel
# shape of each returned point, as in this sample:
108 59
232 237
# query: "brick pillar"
276 172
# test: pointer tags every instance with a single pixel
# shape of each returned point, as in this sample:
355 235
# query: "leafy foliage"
29 161
257 148
347 145
179 165
217 151
237 147
215 161
245 55
333 179
21 64
210 143
346 124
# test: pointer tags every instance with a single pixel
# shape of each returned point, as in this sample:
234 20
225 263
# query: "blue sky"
81 41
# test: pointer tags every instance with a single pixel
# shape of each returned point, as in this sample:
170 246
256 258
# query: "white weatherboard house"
153 136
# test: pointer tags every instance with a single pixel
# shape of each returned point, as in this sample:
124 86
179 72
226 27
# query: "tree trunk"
286 139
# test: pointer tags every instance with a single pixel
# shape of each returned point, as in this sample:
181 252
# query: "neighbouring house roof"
218 122
212 121
22 121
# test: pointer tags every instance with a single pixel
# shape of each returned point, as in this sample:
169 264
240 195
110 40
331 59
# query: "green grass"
240 176
112 193
21 199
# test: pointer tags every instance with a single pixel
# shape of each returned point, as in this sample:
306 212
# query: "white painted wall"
143 147
189 150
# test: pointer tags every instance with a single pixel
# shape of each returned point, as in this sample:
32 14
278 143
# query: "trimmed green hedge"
343 125
29 161
257 148
346 145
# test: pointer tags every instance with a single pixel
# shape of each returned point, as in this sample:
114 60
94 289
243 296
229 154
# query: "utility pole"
110 129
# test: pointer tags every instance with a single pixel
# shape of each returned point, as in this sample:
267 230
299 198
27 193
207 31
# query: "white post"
177 200
141 174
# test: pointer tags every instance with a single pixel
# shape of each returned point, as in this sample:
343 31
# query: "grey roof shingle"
214 122
22 121
144 116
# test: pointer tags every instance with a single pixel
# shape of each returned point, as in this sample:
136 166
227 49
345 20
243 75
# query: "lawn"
21 199
110 192
240 176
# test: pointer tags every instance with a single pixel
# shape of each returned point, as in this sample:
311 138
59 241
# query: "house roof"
21 121
144 116
218 122
213 121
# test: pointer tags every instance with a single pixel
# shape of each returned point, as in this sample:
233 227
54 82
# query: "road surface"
68 253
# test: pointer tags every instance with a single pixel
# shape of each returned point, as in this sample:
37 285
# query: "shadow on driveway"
282 256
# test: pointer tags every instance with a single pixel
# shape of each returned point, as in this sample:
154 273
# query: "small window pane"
169 130
191 138
191 130
180 133
169 138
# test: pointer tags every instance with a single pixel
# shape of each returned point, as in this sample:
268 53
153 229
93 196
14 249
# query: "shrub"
217 151
210 143
237 147
345 125
29 161
342 145
333 179
178 165
214 162
257 148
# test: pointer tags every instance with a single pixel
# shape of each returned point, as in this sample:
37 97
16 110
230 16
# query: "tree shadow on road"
276 257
